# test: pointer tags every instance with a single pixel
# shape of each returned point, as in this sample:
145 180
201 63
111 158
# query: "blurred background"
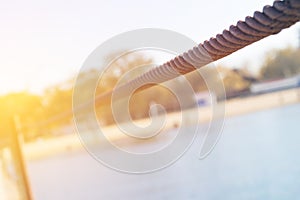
43 45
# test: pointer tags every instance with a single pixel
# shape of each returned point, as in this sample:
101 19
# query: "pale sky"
45 42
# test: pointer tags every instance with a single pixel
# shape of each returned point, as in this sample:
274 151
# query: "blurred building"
275 85
205 98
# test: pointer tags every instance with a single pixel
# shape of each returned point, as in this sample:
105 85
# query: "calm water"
256 158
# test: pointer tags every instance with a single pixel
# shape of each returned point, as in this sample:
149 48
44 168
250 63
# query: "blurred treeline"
39 114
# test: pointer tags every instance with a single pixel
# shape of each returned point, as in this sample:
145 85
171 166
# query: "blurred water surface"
257 157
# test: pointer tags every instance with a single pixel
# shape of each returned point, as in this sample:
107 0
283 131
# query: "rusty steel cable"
273 19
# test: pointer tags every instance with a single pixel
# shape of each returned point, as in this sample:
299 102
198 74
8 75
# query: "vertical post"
19 164
299 39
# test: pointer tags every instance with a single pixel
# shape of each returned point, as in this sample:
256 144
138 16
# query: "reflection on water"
256 158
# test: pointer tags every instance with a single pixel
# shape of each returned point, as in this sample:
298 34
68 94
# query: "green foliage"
235 81
281 64
27 107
